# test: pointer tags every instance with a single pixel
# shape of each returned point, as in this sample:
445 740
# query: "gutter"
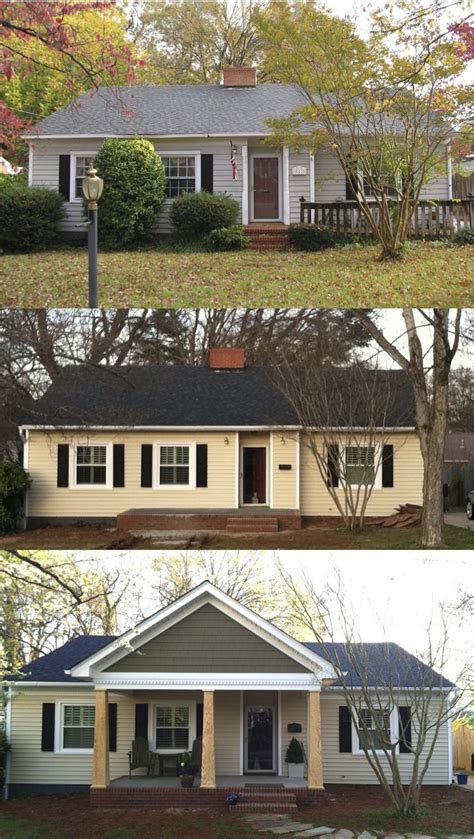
277 428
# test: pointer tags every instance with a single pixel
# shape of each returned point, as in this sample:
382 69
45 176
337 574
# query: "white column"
449 171
30 164
311 178
286 185
245 183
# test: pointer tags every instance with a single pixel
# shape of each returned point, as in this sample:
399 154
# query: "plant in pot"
187 770
295 759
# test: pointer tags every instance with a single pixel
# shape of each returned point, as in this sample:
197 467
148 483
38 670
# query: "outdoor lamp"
92 187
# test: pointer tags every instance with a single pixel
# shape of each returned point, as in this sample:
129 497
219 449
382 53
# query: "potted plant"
187 771
295 759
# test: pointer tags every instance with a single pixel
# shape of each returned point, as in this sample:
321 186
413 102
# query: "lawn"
89 537
446 810
431 273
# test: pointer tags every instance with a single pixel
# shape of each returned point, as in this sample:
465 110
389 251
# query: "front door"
254 475
266 189
259 739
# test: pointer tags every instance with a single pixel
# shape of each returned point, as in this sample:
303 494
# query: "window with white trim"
82 164
91 465
180 171
174 466
360 465
172 727
78 727
374 728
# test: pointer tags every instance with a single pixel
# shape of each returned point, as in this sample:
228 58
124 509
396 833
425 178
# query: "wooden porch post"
208 768
315 759
100 765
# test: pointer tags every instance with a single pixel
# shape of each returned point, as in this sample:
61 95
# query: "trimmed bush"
294 752
197 213
226 239
134 191
29 216
13 483
317 237
465 236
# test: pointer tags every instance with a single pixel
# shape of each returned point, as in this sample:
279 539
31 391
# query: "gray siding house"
196 129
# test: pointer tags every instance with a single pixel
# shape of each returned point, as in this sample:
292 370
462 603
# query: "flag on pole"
233 161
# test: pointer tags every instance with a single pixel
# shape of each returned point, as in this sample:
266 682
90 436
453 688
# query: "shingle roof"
198 396
173 110
386 663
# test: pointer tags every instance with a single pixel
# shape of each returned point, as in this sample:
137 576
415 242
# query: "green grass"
431 273
13 828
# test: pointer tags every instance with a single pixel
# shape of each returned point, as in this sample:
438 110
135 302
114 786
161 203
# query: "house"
207 668
210 137
212 447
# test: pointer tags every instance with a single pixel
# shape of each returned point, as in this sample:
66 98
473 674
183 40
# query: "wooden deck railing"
430 219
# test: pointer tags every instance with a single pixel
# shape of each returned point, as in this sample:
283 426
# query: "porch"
261 782
257 518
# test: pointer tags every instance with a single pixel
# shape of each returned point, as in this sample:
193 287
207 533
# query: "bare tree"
430 382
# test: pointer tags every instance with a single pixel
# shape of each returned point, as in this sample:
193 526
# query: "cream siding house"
196 130
205 669
211 447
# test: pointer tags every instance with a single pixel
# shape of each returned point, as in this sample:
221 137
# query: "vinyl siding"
293 709
46 499
299 184
408 481
207 641
227 732
285 480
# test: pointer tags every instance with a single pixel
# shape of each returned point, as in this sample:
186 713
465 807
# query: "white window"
80 165
182 174
375 728
176 466
360 465
92 465
173 729
77 728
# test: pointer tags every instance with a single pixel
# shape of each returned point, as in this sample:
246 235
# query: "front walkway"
226 781
457 517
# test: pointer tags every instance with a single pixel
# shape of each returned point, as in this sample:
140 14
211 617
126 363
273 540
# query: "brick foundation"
165 797
156 520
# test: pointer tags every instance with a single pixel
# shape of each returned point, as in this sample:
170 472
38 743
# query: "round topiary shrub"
14 482
226 239
29 216
134 190
197 213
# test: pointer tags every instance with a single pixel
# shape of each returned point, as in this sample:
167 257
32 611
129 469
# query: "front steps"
268 236
265 800
252 524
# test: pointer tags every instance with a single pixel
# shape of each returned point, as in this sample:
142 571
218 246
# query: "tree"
397 704
430 382
384 106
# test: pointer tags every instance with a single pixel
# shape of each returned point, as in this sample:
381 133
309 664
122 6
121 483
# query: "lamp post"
92 187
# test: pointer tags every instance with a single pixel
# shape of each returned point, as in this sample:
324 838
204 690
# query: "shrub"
317 237
226 239
29 215
13 483
197 213
134 190
465 236
294 752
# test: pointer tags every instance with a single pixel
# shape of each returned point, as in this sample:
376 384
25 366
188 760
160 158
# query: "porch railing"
430 219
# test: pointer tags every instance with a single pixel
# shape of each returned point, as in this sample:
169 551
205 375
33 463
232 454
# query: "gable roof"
172 111
177 396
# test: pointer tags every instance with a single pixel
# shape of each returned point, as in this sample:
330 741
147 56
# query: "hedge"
29 216
197 213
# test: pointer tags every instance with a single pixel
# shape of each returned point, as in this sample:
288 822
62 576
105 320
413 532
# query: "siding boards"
293 709
208 641
284 481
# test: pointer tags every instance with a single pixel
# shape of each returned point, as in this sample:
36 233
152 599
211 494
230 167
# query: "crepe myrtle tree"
347 415
396 708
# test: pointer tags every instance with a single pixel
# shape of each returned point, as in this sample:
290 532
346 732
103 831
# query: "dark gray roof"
198 396
173 110
386 663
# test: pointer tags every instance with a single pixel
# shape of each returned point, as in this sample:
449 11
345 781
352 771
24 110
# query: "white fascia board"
61 685
315 429
188 603
207 681
148 136
392 688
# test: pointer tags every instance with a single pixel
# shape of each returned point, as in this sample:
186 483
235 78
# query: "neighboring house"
209 447
458 470
207 667
210 137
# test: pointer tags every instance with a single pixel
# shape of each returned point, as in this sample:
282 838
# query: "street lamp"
92 187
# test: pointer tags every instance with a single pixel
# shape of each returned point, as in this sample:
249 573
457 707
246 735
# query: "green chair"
140 757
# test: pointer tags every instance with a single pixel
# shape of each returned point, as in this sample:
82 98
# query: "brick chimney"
226 358
240 77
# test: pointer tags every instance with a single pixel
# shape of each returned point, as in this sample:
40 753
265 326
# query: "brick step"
268 797
247 807
265 246
252 525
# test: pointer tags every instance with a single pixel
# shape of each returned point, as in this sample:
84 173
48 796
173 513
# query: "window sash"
91 465
180 172
360 464
82 166
172 727
78 726
373 738
174 465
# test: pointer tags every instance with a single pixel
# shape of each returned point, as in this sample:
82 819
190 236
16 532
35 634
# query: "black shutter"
113 727
207 172
147 465
199 718
404 719
201 466
345 729
63 465
65 176
141 720
47 727
387 466
333 465
119 465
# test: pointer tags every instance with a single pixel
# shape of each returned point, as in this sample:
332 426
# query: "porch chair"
140 756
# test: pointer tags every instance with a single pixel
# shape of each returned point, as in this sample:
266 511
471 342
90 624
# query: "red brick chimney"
240 77
226 358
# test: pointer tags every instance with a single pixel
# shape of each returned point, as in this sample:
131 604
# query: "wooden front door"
265 188
254 475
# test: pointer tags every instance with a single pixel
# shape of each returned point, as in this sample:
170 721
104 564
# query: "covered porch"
268 782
